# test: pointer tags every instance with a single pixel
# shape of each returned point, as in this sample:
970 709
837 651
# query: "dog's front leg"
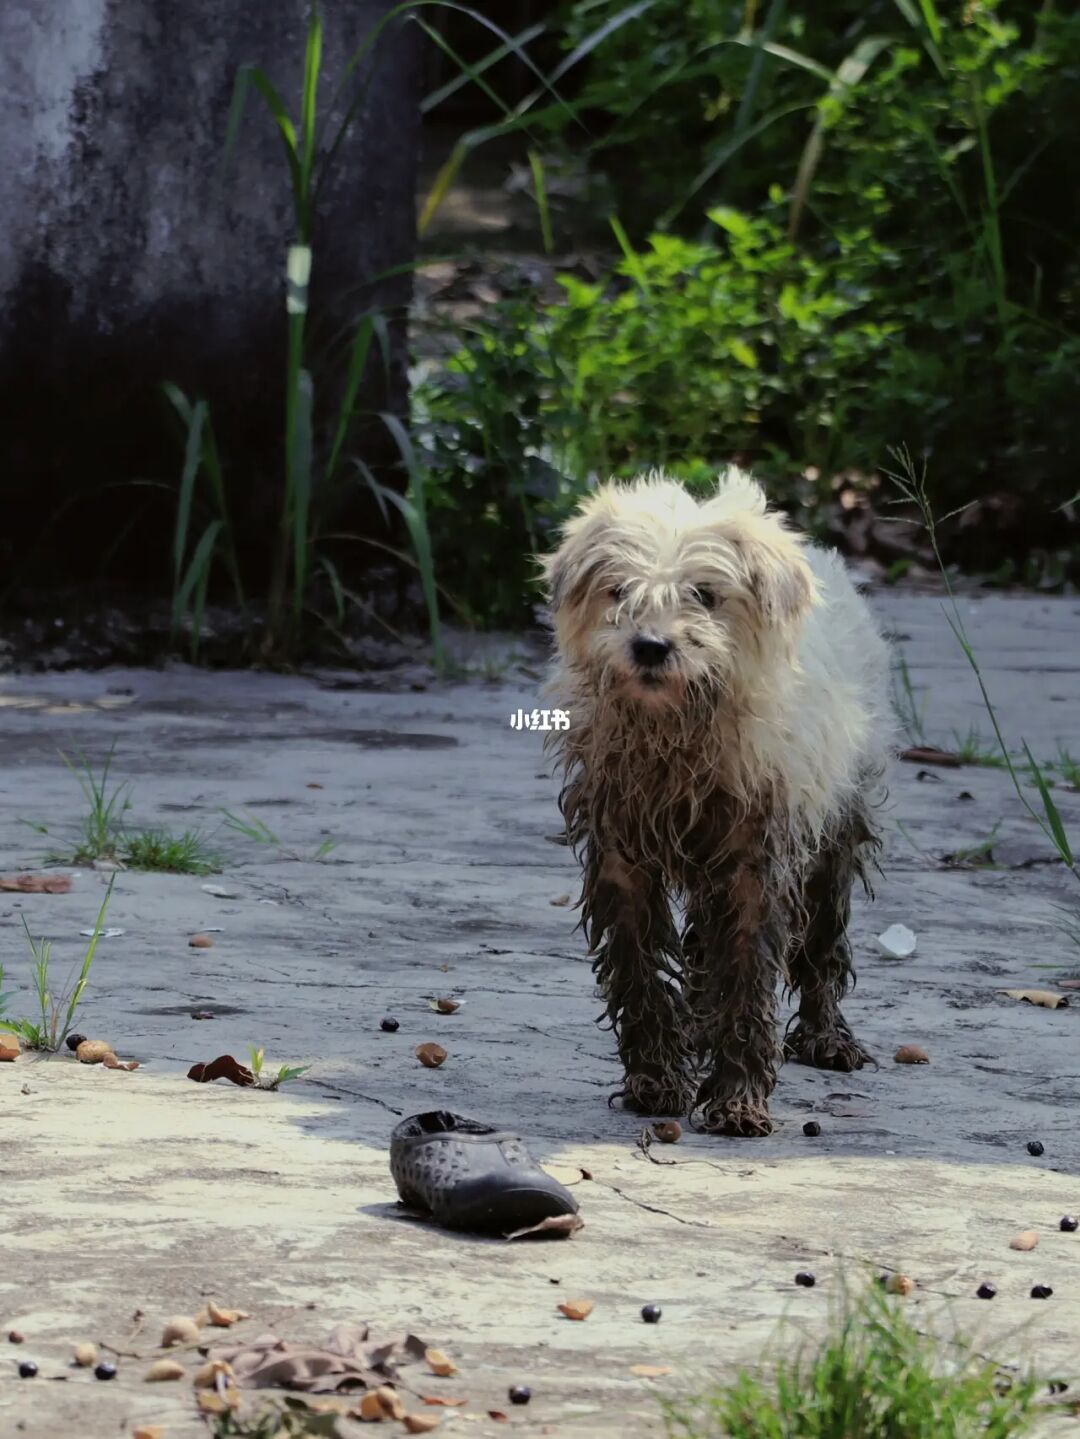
628 923
735 945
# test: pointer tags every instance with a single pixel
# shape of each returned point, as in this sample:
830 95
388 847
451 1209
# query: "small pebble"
520 1394
105 1370
651 1313
28 1369
805 1279
811 1129
390 1025
1041 1291
1035 1147
73 1041
986 1291
1069 1223
15 1337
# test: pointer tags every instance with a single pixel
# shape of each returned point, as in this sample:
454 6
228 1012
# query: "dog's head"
661 597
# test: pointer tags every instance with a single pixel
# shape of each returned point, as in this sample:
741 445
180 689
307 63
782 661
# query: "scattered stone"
74 1040
430 1055
805 1280
390 1025
15 1337
1025 1240
577 1308
93 1051
86 1355
811 1129
901 1284
668 1131
1035 1147
897 942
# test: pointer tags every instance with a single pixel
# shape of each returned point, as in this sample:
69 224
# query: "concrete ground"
126 1191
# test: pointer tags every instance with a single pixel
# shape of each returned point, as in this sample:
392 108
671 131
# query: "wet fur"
737 783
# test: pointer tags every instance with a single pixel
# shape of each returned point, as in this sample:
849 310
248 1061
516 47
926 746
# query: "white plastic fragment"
105 933
220 892
897 942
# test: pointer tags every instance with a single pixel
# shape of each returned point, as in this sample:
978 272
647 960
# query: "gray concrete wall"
124 259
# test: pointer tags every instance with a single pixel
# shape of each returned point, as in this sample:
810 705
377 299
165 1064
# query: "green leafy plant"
56 1008
283 1076
875 1376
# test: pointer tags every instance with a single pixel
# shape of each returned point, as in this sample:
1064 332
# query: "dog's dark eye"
618 592
704 596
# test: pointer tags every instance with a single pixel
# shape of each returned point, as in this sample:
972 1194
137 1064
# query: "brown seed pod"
162 1370
93 1051
577 1308
911 1054
179 1330
86 1355
200 941
899 1284
668 1131
430 1055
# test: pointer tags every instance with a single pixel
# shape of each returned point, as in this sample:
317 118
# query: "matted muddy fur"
728 699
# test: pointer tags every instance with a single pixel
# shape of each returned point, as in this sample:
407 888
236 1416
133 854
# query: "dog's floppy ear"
573 567
781 579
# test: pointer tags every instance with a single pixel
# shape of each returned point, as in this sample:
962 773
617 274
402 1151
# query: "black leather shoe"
467 1175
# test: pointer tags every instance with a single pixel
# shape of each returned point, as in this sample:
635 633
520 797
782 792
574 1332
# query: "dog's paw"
835 1049
645 1094
743 1115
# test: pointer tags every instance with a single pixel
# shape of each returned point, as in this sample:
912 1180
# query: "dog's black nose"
650 653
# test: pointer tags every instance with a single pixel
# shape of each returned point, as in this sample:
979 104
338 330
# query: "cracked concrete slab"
143 1190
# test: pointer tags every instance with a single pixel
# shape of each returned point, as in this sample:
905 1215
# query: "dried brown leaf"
9 1049
430 1055
445 1006
577 1308
911 1054
565 1224
36 883
179 1330
440 1401
148 1431
1026 1239
162 1371
930 754
211 1402
224 1067
392 1404
1045 998
224 1318
498 1416
206 1377
440 1363
421 1423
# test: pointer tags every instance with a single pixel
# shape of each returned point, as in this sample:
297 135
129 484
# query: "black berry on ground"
805 1279
28 1369
1069 1223
520 1394
74 1040
651 1313
986 1291
1041 1291
811 1129
105 1370
390 1025
1035 1147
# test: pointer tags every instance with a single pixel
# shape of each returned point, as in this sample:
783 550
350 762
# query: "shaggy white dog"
728 699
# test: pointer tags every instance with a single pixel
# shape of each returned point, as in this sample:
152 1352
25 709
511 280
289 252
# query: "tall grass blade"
302 461
358 357
415 514
542 207
198 569
308 116
1053 814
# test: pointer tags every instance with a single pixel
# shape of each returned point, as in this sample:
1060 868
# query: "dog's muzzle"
648 652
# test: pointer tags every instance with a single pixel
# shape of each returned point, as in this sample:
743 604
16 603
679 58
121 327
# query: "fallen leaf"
370 1408
224 1067
565 1224
561 901
650 1371
200 941
911 1054
179 1330
498 1416
86 1355
930 754
668 1131
445 1006
36 883
211 1402
393 1406
1026 1239
163 1370
577 1308
224 1318
314 785
206 1377
219 891
421 1423
430 1055
437 1399
1044 997
9 1049
440 1363
93 1051
110 1061
148 1431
